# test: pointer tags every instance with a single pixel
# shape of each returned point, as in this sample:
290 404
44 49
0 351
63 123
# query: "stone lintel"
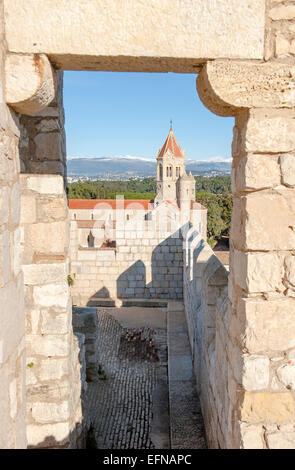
30 85
225 86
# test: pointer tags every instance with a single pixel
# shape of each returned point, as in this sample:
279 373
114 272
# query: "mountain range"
131 166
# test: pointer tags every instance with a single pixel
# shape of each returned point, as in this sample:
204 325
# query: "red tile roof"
131 204
172 145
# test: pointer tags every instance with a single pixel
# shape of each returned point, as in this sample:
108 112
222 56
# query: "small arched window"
160 171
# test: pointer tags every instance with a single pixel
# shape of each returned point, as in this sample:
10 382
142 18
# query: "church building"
122 248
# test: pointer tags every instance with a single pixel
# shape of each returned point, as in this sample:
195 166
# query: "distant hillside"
137 166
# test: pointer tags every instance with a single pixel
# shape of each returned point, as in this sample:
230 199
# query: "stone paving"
128 404
120 401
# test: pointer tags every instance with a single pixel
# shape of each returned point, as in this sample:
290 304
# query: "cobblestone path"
119 403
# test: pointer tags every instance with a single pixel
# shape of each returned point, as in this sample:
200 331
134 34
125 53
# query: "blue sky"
110 113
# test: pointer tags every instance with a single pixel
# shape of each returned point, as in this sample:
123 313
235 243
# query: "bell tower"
170 167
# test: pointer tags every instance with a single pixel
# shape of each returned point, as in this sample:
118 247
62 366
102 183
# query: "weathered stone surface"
29 82
28 209
267 325
52 209
258 272
54 324
256 215
53 369
49 345
122 36
52 295
251 436
286 374
36 274
50 412
269 134
47 238
282 12
281 440
224 86
256 172
290 271
255 372
45 184
267 407
48 435
48 146
287 162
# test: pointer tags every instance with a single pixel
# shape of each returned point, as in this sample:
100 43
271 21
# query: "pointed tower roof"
170 145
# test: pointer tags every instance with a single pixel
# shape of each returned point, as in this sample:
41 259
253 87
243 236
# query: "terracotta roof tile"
172 145
131 204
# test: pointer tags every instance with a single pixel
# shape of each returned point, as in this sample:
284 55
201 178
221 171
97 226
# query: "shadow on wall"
102 293
161 276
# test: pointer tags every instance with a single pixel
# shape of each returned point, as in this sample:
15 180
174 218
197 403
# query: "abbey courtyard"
119 326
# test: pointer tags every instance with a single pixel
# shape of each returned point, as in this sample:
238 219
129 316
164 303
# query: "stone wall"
205 299
54 414
12 324
85 322
144 264
154 36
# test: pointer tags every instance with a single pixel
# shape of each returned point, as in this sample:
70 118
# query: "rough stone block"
48 435
266 325
258 272
54 324
267 407
52 295
36 274
48 146
49 345
46 184
269 133
47 238
28 209
251 436
255 375
286 374
256 172
50 412
255 216
51 209
287 162
281 440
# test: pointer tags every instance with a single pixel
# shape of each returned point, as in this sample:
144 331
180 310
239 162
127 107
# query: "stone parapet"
85 321
12 325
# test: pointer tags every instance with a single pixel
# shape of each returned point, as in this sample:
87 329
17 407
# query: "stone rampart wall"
143 265
205 298
12 322
54 413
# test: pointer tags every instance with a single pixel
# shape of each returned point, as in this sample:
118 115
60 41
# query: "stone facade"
145 256
246 380
147 267
54 414
12 322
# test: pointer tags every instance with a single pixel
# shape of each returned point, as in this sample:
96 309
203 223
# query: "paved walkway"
128 406
186 422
